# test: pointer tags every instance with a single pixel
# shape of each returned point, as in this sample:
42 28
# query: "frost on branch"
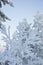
26 45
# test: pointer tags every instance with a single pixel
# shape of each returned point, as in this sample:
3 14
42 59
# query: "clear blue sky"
22 9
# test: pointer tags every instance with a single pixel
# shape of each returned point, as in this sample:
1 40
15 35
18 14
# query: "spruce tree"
3 17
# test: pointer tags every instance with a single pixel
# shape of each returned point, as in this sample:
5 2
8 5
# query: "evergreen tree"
37 45
18 52
3 17
6 2
22 41
26 45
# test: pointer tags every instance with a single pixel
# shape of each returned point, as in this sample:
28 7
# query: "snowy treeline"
26 45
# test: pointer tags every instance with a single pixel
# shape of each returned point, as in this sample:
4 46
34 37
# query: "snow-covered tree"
6 2
22 55
37 39
26 45
3 17
18 52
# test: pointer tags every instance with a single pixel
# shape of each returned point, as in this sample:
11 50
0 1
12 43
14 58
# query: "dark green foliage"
5 2
7 62
0 63
3 17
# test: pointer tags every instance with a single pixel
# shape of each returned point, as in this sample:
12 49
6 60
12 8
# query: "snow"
26 45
